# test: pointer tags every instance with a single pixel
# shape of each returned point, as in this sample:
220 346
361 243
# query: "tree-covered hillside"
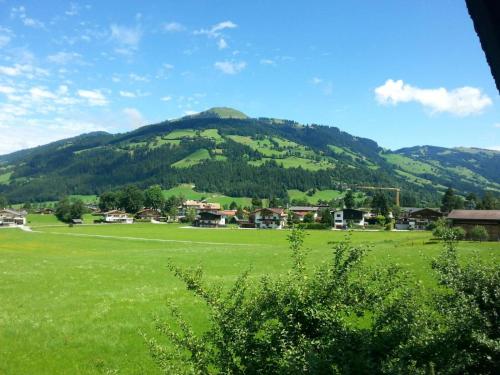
222 150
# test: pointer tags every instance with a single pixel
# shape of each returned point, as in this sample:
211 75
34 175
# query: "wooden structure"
468 219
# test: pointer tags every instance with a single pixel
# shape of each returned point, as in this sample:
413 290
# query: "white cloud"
230 67
190 112
73 10
7 90
215 32
127 94
138 78
127 38
497 125
223 25
494 148
267 62
134 117
38 93
63 58
462 101
28 70
325 86
93 97
20 12
166 98
222 44
174 27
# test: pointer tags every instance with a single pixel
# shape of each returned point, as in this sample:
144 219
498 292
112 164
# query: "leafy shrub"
341 318
478 233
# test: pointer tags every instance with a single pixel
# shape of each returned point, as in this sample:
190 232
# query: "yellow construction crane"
397 190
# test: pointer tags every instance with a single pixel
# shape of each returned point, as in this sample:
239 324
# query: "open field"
73 300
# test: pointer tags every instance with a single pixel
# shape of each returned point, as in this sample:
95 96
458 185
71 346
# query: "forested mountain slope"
222 150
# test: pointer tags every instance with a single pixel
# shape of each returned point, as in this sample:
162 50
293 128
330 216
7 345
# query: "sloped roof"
279 211
12 212
475 214
303 208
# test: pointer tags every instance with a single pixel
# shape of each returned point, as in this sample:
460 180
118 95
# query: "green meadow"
73 300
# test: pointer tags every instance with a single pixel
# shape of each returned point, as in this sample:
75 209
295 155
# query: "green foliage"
349 199
109 200
67 210
131 199
341 318
309 217
153 197
478 233
450 201
233 205
326 217
471 307
380 204
3 202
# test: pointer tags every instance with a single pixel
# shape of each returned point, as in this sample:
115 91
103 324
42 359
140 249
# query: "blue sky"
402 73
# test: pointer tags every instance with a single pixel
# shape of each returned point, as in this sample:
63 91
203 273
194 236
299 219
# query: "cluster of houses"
211 215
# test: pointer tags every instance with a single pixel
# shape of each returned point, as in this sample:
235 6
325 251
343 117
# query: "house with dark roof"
468 219
417 218
346 216
210 219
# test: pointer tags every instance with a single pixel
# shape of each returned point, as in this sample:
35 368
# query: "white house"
10 217
269 218
117 216
348 215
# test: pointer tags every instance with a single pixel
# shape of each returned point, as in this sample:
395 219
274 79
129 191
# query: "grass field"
73 300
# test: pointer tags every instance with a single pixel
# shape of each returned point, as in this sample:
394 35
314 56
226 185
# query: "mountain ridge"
223 150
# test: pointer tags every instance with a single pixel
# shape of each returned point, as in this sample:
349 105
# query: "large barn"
468 219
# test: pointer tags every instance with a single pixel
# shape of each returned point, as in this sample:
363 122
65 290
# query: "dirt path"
145 239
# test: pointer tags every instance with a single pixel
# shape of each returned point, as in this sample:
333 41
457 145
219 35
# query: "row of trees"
451 201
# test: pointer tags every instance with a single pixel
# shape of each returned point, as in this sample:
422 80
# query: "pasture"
73 300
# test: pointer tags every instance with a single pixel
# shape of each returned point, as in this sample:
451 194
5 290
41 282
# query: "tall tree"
131 199
448 200
67 210
153 197
489 202
108 201
3 202
349 199
380 204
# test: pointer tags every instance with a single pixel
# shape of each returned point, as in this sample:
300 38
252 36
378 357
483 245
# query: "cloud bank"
462 101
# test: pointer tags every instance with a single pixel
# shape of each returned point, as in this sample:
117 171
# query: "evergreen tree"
448 200
349 199
233 205
380 204
489 202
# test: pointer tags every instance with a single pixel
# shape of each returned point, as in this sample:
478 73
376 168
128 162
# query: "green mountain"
222 150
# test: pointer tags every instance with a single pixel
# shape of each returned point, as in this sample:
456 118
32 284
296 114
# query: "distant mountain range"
223 150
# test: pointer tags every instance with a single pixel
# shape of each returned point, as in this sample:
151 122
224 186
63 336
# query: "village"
202 214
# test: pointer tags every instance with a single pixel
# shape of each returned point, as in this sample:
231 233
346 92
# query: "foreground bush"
343 318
